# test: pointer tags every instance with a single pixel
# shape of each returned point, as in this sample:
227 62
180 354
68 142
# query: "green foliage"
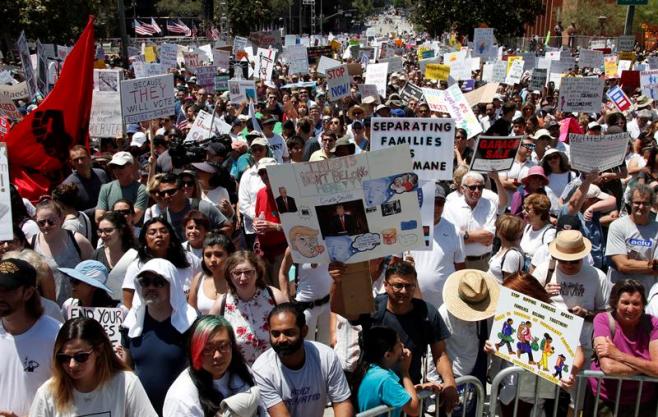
588 23
364 8
246 15
185 8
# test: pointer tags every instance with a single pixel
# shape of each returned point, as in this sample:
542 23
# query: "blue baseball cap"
90 272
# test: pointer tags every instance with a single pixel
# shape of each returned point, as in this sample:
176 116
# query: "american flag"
194 30
155 26
178 27
213 33
183 125
144 29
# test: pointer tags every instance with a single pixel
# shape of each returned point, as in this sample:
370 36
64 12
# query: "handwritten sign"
109 318
376 74
191 59
205 76
105 120
495 153
204 127
538 79
590 58
169 55
437 72
581 95
325 63
9 97
435 100
147 98
338 83
649 83
461 111
597 152
240 90
221 58
297 58
430 141
369 90
515 72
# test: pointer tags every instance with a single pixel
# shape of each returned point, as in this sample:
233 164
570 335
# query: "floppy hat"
569 245
471 295
552 151
343 142
259 141
91 273
536 171
354 109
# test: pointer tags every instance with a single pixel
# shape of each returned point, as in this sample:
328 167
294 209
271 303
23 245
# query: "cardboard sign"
430 141
169 55
435 100
297 59
221 58
581 95
519 331
437 72
147 98
205 76
538 79
495 153
376 74
10 95
356 287
240 90
590 59
369 90
484 94
325 63
619 98
515 73
483 41
394 64
411 91
338 83
105 120
6 230
461 111
350 209
649 83
109 318
589 153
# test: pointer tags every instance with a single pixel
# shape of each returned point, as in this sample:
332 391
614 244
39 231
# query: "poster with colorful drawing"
536 336
349 209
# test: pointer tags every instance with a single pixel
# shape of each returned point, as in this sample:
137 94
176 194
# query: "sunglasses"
528 146
124 212
80 357
44 222
156 282
168 193
475 187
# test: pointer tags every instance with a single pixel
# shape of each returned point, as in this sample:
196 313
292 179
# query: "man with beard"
296 377
27 337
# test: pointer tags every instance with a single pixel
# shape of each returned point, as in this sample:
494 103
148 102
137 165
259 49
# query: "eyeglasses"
400 287
168 193
80 357
475 187
552 157
124 212
106 231
189 183
249 273
210 350
44 222
641 203
156 282
528 146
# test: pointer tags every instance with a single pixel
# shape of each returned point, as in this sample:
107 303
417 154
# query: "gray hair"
644 189
474 176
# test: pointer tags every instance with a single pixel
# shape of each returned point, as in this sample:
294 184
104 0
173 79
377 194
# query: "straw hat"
471 295
569 245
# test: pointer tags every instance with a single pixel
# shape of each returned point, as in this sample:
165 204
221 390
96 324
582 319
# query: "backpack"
71 236
522 265
645 323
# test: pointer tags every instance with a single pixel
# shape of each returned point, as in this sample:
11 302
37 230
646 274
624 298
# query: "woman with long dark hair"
211 282
88 378
374 381
218 382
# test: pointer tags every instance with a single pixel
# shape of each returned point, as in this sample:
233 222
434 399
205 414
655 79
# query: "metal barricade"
515 370
463 381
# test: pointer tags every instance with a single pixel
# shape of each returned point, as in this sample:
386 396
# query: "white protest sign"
523 325
147 98
168 55
394 64
553 55
107 80
430 140
653 62
201 128
598 44
297 58
376 74
290 40
24 54
495 153
205 53
515 73
369 90
239 44
109 318
460 70
590 59
487 72
435 100
6 230
264 63
461 111
240 90
325 63
649 83
338 83
422 64
589 153
474 63
205 76
9 97
499 72
143 70
529 61
581 95
221 58
483 41
624 65
374 192
538 79
105 120
191 60
6 78
625 43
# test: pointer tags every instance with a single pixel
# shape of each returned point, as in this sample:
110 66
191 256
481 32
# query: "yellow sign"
510 61
335 45
610 66
627 56
150 54
437 72
99 64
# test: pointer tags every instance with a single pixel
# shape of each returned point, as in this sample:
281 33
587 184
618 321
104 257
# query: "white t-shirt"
121 396
305 391
482 216
278 147
533 239
216 195
25 363
184 275
513 263
312 283
51 309
462 344
435 266
558 182
589 288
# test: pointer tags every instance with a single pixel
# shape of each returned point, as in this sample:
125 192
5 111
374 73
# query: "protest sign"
589 153
623 65
411 91
205 127
105 120
376 74
461 111
430 140
110 318
435 99
107 80
450 57
499 72
147 98
350 209
538 79
205 76
460 70
191 59
437 72
483 40
369 90
495 153
625 43
581 95
590 59
297 59
610 66
426 199
630 81
487 72
529 61
6 230
619 98
474 63
510 60
169 55
522 325
394 64
598 44
205 53
338 83
289 40
221 58
422 64
143 70
149 54
325 63
28 71
240 90
266 39
42 70
315 52
264 63
5 125
9 97
221 82
649 83
515 73
484 94
239 44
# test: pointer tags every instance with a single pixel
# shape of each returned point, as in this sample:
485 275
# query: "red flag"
38 146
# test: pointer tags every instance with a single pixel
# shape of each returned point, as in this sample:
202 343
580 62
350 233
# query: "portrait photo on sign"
391 208
380 190
342 219
108 81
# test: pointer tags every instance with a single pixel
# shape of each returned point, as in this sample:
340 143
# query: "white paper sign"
221 58
264 64
538 79
297 58
460 70
394 64
240 90
6 231
589 153
483 40
143 70
147 98
369 90
649 83
9 97
376 74
581 95
461 111
590 59
515 73
499 72
168 55
430 140
205 76
107 80
239 44
325 63
201 128
106 120
338 83
109 318
435 100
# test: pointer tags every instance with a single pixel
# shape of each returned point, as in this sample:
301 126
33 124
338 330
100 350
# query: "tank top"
203 302
312 283
67 257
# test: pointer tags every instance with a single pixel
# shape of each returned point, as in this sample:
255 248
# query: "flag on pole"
155 26
548 38
178 27
143 29
38 146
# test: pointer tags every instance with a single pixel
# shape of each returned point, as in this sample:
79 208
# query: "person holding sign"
88 378
89 290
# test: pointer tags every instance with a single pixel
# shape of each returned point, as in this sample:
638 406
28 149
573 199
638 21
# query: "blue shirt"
382 387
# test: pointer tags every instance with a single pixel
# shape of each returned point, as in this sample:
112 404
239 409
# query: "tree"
246 15
506 16
185 8
588 23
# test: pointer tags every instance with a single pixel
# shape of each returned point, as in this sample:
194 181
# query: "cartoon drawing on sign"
525 341
345 219
339 248
505 336
404 183
380 190
546 350
305 241
560 366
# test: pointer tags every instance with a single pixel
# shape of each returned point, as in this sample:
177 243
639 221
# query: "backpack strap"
543 235
222 305
611 324
502 262
75 243
271 294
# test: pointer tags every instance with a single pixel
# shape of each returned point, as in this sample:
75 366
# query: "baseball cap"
138 140
16 273
266 162
204 167
90 272
121 158
593 125
439 191
260 141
